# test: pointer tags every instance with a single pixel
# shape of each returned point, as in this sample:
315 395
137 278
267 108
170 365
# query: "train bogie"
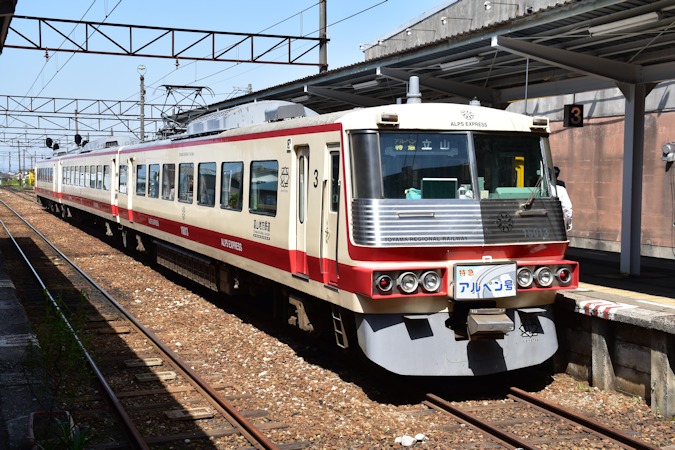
429 236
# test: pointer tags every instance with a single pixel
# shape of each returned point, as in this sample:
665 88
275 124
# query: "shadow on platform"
657 276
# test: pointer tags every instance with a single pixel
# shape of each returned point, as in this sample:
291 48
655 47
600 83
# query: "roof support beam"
555 88
489 96
658 73
578 62
346 97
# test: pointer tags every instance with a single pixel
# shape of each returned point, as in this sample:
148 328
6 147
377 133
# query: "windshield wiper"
525 207
528 203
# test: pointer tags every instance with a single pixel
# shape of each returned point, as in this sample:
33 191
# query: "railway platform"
617 332
17 397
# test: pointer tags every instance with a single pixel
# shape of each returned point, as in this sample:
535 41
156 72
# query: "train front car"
456 239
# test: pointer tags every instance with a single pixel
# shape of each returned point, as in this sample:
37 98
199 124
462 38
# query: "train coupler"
488 323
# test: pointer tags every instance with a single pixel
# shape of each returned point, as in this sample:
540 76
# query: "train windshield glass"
424 165
436 165
510 166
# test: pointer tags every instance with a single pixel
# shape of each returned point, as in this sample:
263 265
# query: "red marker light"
384 283
564 275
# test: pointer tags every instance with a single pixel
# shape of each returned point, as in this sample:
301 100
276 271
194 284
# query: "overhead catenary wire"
69 58
270 27
196 80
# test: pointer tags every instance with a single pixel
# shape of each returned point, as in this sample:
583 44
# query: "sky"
27 73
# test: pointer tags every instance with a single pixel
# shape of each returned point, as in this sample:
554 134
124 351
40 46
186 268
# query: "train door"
302 157
123 187
114 188
109 182
330 212
58 181
131 190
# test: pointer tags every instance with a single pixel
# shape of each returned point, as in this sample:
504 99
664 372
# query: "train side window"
186 175
168 181
206 184
153 180
140 180
106 177
123 179
92 177
263 188
99 177
85 178
334 181
231 189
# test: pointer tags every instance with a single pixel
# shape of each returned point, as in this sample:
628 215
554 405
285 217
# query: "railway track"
157 398
527 422
24 194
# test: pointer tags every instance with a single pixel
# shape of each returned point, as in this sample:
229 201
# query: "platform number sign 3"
574 115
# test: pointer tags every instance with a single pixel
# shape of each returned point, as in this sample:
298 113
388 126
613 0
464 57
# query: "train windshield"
435 165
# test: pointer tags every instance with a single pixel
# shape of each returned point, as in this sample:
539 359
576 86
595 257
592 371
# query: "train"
428 237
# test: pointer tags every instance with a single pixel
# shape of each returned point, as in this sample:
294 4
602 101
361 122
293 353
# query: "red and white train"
428 235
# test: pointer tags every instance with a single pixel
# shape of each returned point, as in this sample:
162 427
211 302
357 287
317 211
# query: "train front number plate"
485 281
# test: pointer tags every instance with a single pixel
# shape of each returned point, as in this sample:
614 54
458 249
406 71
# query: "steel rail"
586 422
503 437
136 437
250 431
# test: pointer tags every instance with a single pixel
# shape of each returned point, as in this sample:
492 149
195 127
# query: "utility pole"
18 150
141 71
323 39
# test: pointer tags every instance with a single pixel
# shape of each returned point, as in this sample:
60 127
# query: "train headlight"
431 281
384 283
524 277
543 276
564 276
408 282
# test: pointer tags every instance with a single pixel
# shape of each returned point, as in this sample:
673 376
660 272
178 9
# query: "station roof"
564 47
7 8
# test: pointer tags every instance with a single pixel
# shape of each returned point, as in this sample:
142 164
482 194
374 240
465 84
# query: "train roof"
278 116
245 115
425 116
